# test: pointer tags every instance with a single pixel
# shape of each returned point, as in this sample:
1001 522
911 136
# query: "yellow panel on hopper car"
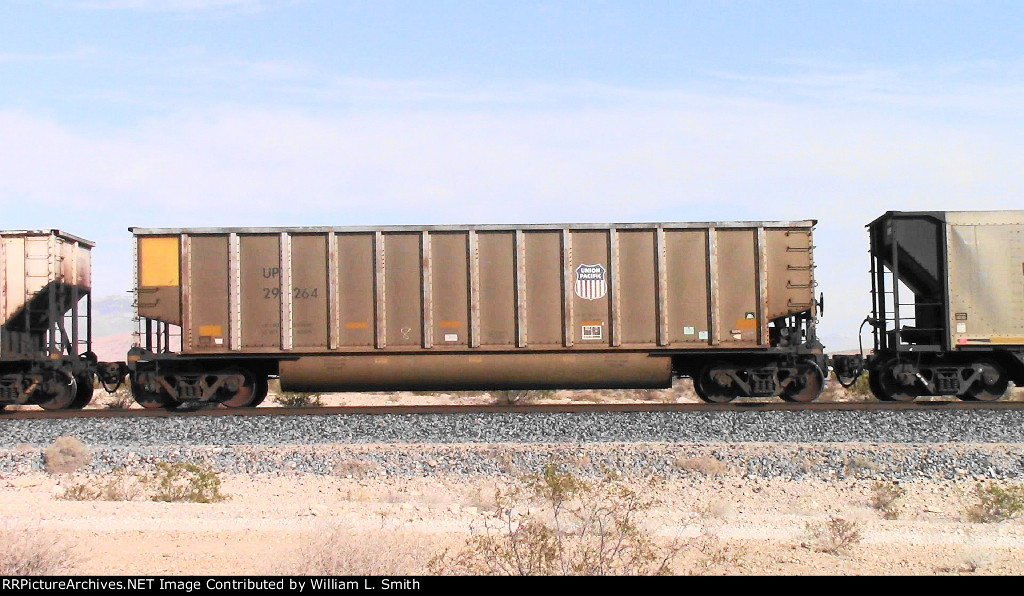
159 261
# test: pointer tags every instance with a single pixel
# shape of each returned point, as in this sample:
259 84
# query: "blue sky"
117 113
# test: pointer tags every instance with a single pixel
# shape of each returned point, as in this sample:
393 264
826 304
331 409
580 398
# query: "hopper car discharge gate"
947 306
730 304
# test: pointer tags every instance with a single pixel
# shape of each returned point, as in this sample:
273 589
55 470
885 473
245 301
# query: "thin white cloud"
628 156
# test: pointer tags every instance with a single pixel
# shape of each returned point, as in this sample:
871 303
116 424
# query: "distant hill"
112 327
112 315
112 348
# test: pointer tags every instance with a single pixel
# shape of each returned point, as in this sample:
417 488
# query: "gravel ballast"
903 445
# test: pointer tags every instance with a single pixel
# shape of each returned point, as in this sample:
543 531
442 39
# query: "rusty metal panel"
309 290
333 303
473 257
738 287
687 277
569 287
261 288
286 294
235 292
497 288
32 260
638 287
985 263
589 283
614 289
379 299
450 288
544 301
426 291
790 272
208 292
662 286
520 276
402 289
13 265
588 370
356 289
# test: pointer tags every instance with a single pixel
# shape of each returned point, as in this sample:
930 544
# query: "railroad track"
216 411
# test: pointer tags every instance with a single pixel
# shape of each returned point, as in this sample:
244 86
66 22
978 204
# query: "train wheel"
153 400
248 394
806 386
61 394
714 384
873 384
894 383
262 388
85 389
991 386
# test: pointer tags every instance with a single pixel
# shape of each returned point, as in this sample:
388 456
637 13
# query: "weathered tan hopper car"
476 307
45 335
948 305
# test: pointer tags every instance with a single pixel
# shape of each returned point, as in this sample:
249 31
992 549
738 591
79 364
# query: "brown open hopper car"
730 304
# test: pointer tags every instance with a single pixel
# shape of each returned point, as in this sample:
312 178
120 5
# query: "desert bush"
861 466
703 464
834 536
884 496
994 503
521 396
572 527
120 399
354 467
119 485
297 399
30 552
186 481
860 390
336 550
66 454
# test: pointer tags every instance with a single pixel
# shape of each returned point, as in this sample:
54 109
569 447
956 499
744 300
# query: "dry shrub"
335 551
188 482
994 503
352 467
861 466
834 536
119 485
884 496
521 396
859 391
707 465
120 399
30 552
572 527
297 399
66 454
712 556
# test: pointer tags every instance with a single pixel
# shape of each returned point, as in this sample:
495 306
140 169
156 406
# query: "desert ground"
716 522
712 519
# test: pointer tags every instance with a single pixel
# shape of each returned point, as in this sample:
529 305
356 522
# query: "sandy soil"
723 524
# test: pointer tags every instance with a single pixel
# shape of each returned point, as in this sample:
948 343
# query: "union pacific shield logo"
591 282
